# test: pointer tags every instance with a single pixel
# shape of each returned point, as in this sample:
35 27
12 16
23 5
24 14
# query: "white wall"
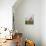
26 8
6 13
43 22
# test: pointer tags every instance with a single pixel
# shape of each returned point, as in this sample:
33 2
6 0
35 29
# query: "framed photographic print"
29 20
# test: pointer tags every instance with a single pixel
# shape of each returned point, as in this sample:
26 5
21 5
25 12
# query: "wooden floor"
9 43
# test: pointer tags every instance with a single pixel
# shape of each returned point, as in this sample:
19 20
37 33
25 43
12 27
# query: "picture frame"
29 20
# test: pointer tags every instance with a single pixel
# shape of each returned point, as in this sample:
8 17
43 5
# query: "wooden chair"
18 39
